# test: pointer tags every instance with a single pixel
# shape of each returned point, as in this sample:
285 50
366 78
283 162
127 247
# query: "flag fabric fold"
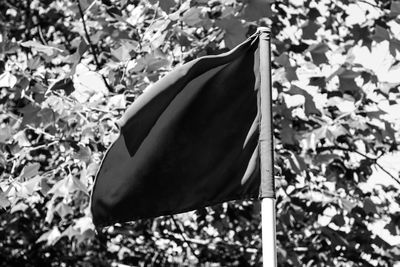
189 141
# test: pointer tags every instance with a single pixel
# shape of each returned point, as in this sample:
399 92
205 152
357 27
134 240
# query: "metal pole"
268 213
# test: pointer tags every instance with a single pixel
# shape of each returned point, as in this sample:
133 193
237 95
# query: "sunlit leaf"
4 202
48 50
309 105
7 80
30 170
50 237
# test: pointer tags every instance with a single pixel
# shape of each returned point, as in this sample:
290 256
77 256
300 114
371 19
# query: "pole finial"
265 31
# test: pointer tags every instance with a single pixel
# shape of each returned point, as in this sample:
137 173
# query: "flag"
189 141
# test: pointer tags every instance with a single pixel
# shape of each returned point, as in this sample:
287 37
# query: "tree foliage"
69 69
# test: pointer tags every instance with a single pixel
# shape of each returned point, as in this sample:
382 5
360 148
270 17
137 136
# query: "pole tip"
264 30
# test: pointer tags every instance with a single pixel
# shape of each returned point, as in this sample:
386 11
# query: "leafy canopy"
68 70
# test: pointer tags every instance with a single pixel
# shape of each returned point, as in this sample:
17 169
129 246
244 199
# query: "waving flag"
189 141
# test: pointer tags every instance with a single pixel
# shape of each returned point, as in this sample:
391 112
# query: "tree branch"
368 3
28 20
374 160
388 173
183 236
91 45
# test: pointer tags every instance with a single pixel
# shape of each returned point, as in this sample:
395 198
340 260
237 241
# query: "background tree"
69 69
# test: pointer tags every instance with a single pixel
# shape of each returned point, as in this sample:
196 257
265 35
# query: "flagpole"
268 213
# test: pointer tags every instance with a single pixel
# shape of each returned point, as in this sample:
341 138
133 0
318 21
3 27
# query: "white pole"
268 223
268 214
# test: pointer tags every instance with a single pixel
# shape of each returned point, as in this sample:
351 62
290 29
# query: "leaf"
158 39
30 186
76 57
117 102
7 80
88 234
21 206
75 184
347 204
394 9
121 53
83 224
325 158
127 49
313 14
334 131
257 9
153 62
389 132
44 186
34 62
8 47
83 47
288 134
290 72
235 33
21 85
297 164
70 232
192 16
50 237
348 85
335 237
164 4
318 81
66 85
85 4
5 133
318 53
369 206
67 186
394 45
84 154
114 12
4 202
381 34
30 170
338 219
283 60
21 139
394 225
63 209
309 105
89 85
309 30
48 50
30 113
393 229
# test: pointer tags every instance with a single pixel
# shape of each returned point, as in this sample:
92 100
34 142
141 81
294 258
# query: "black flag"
189 141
